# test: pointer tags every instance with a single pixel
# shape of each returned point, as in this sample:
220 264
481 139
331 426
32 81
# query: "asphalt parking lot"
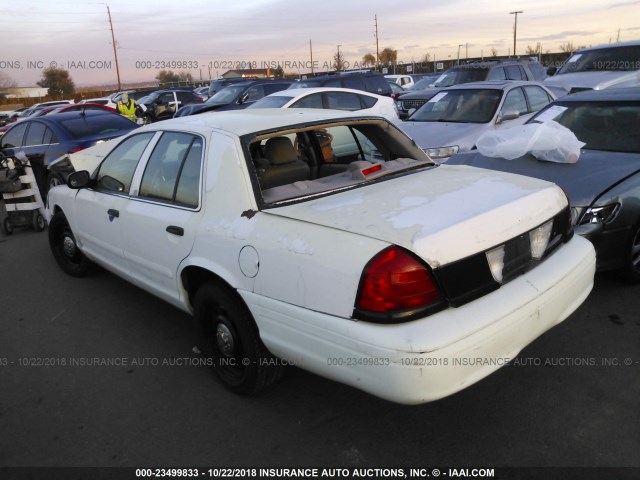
571 399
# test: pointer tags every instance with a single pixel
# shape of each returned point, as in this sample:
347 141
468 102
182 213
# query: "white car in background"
403 278
453 119
345 99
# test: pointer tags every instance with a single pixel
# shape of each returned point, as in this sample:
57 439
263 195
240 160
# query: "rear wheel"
631 270
230 338
38 222
7 227
64 248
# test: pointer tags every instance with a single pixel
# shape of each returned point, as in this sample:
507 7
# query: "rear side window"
354 83
269 89
173 171
377 84
367 102
497 74
116 171
13 138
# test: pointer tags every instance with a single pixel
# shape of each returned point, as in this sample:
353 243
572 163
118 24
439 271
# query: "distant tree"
389 56
58 81
531 51
185 76
6 81
338 61
494 52
426 58
369 59
567 47
278 72
167 76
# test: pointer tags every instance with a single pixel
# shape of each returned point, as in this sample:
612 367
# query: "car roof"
243 122
606 95
54 118
491 84
631 43
300 92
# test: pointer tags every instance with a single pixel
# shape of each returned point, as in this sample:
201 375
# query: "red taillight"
396 281
76 149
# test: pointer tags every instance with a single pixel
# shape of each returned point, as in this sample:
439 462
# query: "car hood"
89 158
442 214
595 80
584 181
444 134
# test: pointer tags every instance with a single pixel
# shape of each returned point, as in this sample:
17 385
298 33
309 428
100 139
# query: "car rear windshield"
88 125
609 126
603 60
306 84
455 76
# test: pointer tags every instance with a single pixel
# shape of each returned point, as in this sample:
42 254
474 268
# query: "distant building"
24 92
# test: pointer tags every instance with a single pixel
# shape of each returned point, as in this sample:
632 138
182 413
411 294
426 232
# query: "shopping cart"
22 201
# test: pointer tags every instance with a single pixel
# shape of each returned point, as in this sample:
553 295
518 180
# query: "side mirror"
78 180
508 115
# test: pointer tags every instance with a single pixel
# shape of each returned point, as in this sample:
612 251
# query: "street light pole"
339 62
515 29
458 62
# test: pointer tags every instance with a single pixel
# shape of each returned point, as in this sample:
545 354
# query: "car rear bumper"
430 358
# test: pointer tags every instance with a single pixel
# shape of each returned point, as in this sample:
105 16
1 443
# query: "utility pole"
311 52
377 47
515 29
115 49
339 60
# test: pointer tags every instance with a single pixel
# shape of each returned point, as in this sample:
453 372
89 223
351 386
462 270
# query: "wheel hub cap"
69 246
224 340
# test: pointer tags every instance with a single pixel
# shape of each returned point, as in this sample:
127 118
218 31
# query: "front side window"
173 171
35 134
515 102
117 169
538 98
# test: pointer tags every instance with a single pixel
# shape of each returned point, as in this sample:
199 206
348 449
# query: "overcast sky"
214 36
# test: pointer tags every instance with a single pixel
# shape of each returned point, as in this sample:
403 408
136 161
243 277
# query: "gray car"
604 185
454 118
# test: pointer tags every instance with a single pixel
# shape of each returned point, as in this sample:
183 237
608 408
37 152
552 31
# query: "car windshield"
80 126
460 106
609 126
603 60
424 83
455 76
226 95
276 101
306 162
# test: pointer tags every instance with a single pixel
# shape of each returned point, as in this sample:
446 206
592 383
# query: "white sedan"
346 99
399 277
452 120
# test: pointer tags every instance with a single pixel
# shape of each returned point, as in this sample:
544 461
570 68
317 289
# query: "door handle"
113 213
175 230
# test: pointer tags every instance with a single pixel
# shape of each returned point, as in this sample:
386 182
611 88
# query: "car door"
159 221
98 210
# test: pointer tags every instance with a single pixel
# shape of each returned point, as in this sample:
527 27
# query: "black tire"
631 269
53 180
7 227
229 336
64 248
38 222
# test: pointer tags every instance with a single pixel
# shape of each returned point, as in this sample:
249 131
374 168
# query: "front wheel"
65 249
38 222
231 340
631 269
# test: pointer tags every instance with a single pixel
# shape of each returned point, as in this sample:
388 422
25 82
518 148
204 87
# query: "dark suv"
237 96
517 69
216 85
368 81
163 104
